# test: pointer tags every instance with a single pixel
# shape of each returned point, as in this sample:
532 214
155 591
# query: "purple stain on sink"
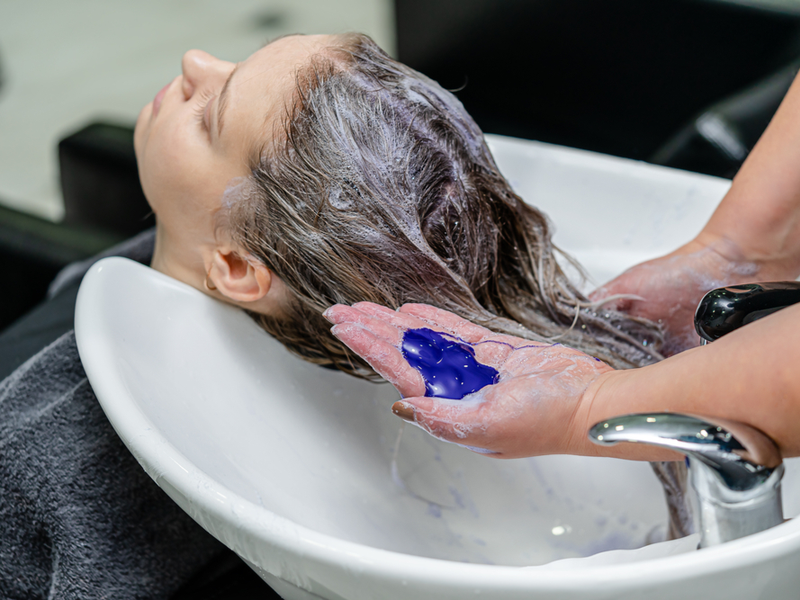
447 365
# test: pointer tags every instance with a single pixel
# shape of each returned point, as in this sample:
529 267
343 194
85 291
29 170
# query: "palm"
527 412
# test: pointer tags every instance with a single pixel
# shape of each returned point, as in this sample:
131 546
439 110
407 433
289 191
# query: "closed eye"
201 109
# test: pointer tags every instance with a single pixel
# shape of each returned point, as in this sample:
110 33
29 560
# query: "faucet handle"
724 309
735 470
741 456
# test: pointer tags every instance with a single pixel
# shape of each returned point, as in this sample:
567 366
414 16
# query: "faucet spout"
735 470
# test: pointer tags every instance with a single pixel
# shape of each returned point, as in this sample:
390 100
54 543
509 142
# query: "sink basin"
306 474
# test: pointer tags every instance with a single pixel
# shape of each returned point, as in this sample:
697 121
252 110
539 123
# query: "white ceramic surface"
290 464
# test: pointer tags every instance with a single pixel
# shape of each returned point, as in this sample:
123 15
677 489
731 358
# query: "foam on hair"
380 187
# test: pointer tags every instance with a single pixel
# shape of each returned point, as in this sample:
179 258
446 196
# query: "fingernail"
327 313
404 411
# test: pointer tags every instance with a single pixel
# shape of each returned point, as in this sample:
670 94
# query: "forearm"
761 212
751 375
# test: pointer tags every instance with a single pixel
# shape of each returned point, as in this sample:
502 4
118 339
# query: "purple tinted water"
448 366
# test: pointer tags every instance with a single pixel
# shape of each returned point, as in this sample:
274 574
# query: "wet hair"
380 187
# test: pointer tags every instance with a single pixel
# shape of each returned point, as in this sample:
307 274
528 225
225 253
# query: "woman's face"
198 135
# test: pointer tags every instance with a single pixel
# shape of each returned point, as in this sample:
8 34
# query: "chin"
138 149
141 124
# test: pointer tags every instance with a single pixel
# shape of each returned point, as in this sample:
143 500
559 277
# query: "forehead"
295 49
261 89
265 82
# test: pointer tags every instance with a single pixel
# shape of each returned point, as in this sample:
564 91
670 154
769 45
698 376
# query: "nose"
202 69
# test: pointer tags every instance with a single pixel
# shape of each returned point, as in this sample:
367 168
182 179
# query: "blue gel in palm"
447 365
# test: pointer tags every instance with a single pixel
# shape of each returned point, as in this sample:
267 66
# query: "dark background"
615 76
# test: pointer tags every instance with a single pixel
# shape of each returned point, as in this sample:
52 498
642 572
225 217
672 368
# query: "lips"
159 97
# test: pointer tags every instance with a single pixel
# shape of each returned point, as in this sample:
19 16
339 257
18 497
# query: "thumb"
608 289
600 293
614 296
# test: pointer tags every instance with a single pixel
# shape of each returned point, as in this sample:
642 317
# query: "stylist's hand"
670 288
532 410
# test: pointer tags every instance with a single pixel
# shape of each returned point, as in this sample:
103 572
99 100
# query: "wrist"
773 255
612 394
585 416
726 260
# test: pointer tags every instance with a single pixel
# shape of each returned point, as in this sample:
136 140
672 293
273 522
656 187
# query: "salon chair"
620 77
719 138
104 205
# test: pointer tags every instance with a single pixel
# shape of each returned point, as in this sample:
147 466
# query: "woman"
321 171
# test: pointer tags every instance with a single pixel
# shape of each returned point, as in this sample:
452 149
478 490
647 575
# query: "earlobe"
239 278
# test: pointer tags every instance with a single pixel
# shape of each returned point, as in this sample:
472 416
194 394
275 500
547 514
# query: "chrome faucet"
735 470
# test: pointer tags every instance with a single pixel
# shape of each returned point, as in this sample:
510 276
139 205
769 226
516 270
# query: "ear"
239 278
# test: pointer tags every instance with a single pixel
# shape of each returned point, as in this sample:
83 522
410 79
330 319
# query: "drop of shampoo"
447 365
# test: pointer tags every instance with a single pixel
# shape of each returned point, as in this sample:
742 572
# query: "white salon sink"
290 465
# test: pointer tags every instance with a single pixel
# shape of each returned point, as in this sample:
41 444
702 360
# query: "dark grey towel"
79 518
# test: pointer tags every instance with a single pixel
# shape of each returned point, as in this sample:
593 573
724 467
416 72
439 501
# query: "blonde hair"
381 187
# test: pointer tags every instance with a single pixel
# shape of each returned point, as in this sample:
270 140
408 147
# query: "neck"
178 260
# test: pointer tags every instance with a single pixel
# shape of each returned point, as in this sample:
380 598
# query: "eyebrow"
223 95
223 101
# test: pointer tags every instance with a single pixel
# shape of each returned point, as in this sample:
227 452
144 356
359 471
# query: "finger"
401 321
492 352
452 323
614 297
397 319
382 356
456 421
605 292
602 292
490 348
340 314
337 313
